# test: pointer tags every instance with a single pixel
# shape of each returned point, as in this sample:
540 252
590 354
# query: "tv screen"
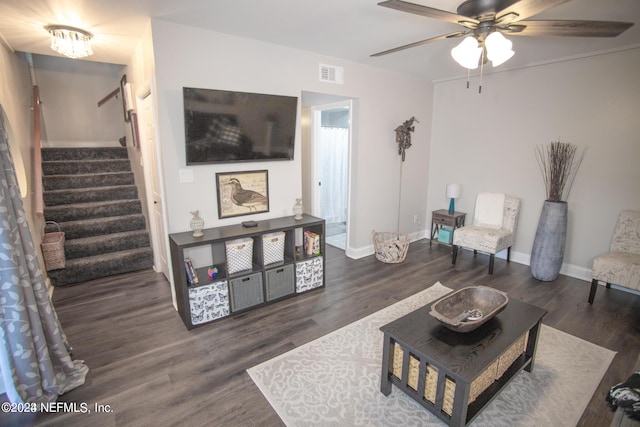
223 126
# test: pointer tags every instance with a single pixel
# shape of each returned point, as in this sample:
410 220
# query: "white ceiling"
349 29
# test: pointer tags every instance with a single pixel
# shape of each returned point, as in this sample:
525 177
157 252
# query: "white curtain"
334 144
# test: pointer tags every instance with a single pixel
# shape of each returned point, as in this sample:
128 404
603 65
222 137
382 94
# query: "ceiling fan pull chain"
468 76
481 69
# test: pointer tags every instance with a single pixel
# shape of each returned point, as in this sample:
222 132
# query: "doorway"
153 183
327 171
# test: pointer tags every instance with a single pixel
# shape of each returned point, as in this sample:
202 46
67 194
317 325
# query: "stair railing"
37 154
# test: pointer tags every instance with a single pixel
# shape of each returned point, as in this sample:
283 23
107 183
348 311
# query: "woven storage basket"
487 377
391 247
53 248
239 254
273 247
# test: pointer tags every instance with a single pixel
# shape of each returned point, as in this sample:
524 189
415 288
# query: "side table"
441 218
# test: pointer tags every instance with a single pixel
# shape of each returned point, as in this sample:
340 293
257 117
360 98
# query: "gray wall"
486 143
187 56
70 90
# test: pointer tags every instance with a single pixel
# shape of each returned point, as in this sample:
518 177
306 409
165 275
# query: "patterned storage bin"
273 247
309 274
209 302
239 254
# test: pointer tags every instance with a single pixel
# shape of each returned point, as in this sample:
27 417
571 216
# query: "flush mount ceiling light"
70 41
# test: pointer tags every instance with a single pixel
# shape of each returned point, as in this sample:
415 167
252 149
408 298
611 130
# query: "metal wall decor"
403 136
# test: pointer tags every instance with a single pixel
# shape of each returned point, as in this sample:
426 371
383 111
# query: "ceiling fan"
482 18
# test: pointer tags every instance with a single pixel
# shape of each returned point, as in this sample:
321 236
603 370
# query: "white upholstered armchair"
621 265
495 221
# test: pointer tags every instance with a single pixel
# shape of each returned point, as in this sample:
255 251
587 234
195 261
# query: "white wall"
70 90
16 97
192 57
486 143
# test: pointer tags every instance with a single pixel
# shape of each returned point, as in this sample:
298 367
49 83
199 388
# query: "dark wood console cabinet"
225 294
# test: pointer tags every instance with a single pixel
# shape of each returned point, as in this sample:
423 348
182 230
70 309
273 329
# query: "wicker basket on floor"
53 249
391 247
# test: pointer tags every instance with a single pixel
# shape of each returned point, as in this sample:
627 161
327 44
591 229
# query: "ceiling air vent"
331 74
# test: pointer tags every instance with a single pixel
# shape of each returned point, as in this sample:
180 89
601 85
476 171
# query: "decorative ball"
212 271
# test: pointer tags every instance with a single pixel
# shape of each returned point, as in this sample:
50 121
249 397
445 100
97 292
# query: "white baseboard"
570 270
364 251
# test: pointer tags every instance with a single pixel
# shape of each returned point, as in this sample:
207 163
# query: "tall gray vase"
548 246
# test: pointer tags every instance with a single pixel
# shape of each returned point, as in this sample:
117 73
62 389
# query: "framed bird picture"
242 193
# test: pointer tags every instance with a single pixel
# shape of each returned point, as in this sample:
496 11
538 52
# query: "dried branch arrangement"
559 163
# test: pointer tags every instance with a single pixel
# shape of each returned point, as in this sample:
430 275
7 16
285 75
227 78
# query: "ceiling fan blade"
420 43
429 12
568 28
526 8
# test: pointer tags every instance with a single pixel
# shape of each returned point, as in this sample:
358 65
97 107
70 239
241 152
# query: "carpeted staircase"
91 194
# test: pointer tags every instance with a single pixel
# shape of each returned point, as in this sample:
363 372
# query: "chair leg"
509 254
594 287
491 258
454 254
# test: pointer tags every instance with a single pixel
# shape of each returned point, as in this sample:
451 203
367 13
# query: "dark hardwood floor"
150 370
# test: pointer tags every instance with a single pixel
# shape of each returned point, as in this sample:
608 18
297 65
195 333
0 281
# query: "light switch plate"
186 175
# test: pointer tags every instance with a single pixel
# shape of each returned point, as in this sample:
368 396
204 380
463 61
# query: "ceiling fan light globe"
501 58
467 53
498 48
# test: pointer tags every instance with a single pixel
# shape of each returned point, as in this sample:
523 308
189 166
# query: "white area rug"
335 380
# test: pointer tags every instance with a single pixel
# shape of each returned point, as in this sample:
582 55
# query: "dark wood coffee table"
441 369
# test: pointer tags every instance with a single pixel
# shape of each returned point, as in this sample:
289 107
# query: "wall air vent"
331 74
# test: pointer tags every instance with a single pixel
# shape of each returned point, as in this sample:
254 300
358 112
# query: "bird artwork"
245 198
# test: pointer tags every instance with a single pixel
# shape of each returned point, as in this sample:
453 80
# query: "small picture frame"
242 193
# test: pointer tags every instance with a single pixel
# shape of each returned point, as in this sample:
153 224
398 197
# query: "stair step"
84 153
70 167
99 226
78 211
88 180
98 245
93 267
92 194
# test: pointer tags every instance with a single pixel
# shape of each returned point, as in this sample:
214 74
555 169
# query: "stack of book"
311 243
192 276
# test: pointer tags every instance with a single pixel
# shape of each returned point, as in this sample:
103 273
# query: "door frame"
155 166
314 149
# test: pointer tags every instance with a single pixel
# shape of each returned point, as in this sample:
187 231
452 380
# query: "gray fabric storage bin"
246 291
280 282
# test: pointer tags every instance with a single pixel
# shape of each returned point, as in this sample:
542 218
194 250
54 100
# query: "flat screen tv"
224 126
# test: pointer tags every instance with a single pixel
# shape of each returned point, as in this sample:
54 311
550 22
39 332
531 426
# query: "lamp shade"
498 48
467 53
453 191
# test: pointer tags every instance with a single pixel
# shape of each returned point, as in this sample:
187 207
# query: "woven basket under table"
492 373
